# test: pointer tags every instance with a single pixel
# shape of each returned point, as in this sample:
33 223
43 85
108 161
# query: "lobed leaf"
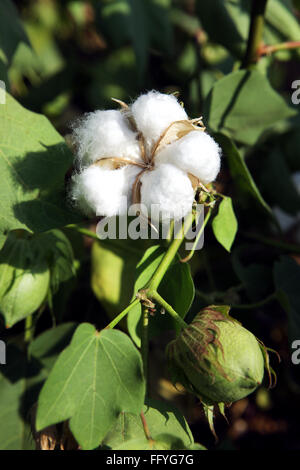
95 379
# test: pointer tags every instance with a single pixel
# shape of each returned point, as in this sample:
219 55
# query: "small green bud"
216 358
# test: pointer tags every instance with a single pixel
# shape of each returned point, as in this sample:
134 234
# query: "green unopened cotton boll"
216 358
24 275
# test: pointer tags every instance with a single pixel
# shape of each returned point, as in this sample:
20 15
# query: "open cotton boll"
105 134
130 174
195 153
169 187
100 191
154 112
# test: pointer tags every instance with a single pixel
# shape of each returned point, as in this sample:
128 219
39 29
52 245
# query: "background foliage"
60 59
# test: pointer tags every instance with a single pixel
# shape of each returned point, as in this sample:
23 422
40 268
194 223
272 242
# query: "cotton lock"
104 134
196 153
103 192
170 189
154 112
149 153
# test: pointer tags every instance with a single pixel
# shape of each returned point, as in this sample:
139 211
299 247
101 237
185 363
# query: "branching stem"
154 295
191 253
146 428
170 254
255 33
145 342
283 46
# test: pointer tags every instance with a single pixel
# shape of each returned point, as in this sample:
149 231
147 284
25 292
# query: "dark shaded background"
83 54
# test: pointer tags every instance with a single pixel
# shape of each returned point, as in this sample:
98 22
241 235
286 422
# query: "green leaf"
50 343
117 74
11 31
59 254
256 277
290 143
33 161
224 224
2 240
113 382
14 430
20 382
274 173
281 17
167 426
241 176
225 24
145 24
113 272
244 106
287 281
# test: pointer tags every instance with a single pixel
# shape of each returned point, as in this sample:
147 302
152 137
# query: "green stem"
145 342
170 232
154 282
210 298
121 315
29 331
255 33
254 305
170 255
154 295
290 247
190 255
83 231
216 297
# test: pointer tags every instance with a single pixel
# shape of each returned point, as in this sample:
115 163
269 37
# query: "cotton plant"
149 153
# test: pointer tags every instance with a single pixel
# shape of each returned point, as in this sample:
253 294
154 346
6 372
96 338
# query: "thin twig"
145 342
283 46
146 427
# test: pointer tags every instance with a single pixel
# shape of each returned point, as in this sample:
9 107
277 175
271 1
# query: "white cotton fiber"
165 184
169 187
104 134
154 112
195 153
100 191
130 174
